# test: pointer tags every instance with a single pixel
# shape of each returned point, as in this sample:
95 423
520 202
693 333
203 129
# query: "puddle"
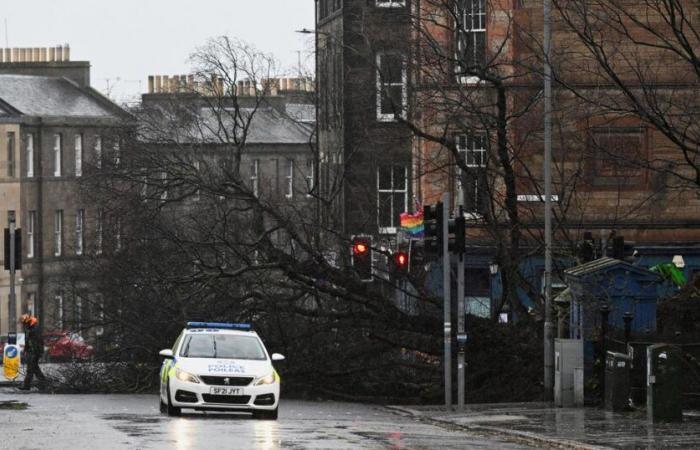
13 405
133 418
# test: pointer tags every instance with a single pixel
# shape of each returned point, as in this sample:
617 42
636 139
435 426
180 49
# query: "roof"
52 97
208 125
604 264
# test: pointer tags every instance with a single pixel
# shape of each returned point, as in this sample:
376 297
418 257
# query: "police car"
219 366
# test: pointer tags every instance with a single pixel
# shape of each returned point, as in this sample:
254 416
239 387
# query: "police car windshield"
224 346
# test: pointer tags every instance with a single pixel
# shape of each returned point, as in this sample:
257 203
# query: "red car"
66 345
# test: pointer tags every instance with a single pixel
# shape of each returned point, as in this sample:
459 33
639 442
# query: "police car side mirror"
277 357
167 353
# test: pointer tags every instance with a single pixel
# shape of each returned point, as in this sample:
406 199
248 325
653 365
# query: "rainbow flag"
413 224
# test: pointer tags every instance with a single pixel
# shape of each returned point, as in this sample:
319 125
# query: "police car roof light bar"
225 326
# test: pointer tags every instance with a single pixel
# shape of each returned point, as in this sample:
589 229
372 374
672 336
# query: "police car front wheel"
171 410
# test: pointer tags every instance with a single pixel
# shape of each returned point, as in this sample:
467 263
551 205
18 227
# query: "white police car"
219 366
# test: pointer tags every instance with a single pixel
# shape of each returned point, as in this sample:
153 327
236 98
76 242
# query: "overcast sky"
127 40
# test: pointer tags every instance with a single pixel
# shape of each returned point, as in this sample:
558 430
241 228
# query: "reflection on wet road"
133 421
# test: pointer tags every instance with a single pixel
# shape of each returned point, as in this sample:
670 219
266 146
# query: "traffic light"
362 257
18 249
432 221
400 264
457 227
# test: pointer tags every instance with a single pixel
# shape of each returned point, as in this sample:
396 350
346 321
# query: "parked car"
67 346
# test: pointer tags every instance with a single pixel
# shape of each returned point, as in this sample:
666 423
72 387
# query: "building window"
164 186
197 192
57 155
471 38
11 154
98 152
79 231
118 234
99 226
78 155
30 155
58 299
392 197
100 303
310 176
144 188
289 179
31 304
472 178
391 3
58 232
392 89
328 7
117 153
255 176
31 224
79 313
616 157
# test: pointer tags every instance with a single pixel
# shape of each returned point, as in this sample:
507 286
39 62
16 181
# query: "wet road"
133 421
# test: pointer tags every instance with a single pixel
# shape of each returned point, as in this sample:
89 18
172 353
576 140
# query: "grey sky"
131 39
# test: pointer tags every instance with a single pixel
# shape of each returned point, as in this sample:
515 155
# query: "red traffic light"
401 259
360 248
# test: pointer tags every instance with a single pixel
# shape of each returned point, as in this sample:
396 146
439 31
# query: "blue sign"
11 351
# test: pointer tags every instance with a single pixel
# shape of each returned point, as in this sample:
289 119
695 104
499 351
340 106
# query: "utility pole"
461 333
548 327
446 287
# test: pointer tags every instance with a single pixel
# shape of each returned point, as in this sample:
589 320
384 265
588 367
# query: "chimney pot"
2 55
59 53
150 84
52 54
42 55
15 54
190 82
159 85
66 52
36 54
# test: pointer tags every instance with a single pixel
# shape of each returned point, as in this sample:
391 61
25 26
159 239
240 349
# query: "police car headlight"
185 376
268 379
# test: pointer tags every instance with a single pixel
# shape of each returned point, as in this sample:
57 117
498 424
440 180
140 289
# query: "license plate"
223 390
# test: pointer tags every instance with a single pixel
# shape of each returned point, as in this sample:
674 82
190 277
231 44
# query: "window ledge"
387 230
390 4
469 80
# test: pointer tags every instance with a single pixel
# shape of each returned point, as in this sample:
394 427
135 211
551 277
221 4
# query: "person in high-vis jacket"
33 349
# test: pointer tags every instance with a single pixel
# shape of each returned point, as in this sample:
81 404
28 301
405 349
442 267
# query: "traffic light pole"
461 334
12 298
446 287
548 326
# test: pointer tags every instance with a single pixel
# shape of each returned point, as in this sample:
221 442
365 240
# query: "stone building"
54 129
278 157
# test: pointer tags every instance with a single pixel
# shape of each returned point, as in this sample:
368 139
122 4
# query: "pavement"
541 424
